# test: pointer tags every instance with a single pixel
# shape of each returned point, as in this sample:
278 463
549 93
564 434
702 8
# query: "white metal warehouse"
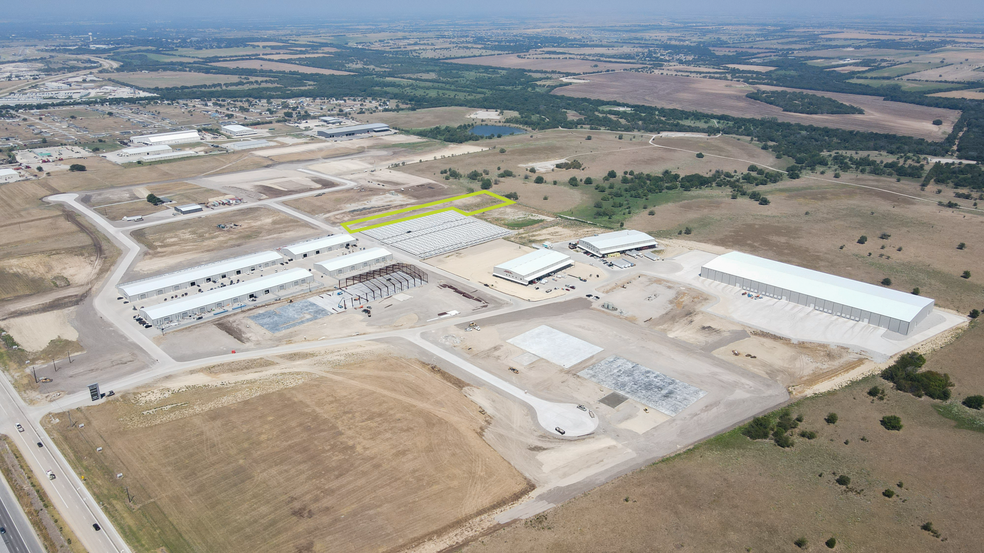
317 246
363 260
532 266
141 152
213 272
354 130
228 296
238 130
8 175
176 137
615 242
858 301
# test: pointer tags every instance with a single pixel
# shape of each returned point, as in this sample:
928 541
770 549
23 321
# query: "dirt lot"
188 242
926 234
352 450
728 97
114 204
732 494
514 61
278 66
101 173
165 79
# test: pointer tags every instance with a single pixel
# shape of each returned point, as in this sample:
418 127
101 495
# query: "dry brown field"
928 235
278 66
513 61
365 451
165 79
195 240
114 204
101 173
968 94
955 72
728 97
732 494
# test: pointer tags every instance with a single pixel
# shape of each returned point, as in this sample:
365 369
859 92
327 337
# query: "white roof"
864 296
223 294
344 261
531 264
147 149
160 137
314 244
201 272
8 172
188 207
622 239
236 128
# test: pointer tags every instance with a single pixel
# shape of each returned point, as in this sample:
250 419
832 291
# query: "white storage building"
615 242
226 297
141 152
532 266
189 208
8 175
359 261
200 275
353 131
176 137
859 301
317 246
237 131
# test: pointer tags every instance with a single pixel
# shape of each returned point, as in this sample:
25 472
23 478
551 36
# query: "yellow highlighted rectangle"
505 201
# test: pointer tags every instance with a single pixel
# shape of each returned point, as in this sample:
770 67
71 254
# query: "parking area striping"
505 201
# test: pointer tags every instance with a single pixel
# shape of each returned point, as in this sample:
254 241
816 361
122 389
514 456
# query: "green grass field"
899 70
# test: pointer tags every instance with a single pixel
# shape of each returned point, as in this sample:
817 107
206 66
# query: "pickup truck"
51 475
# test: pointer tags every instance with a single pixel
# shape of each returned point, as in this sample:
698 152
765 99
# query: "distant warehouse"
616 242
141 152
189 208
858 301
225 298
532 266
200 275
237 131
8 175
317 246
353 131
359 261
177 137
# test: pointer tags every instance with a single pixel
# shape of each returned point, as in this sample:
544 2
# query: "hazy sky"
41 12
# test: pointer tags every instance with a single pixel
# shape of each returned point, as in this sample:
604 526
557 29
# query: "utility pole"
34 369
53 366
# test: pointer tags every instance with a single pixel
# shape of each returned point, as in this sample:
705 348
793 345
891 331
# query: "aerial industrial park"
247 307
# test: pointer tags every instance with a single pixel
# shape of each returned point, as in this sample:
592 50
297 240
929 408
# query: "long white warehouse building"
213 272
176 137
221 298
532 266
352 262
615 242
851 299
316 246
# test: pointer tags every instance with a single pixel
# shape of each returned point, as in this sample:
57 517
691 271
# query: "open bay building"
198 276
233 297
858 301
534 265
616 242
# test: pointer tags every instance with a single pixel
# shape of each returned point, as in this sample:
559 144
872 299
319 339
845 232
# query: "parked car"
560 431
96 527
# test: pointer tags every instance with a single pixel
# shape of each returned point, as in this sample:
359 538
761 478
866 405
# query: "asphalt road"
20 537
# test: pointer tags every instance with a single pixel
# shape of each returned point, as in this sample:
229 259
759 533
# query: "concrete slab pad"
525 359
613 400
555 346
663 393
289 316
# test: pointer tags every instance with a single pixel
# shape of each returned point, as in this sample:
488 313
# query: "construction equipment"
46 379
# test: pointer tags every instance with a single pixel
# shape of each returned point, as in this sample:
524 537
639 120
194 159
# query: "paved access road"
19 536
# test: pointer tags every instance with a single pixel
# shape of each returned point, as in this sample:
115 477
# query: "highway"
19 536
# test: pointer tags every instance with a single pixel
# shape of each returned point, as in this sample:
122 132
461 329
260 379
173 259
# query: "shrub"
764 201
700 155
808 434
886 281
889 493
652 212
961 246
759 428
539 179
831 418
572 181
486 184
545 198
844 480
801 543
831 543
965 274
512 196
781 438
786 421
891 422
929 528
974 402
76 167
874 391
904 374
915 291
502 150
587 137
974 313
884 236
863 239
